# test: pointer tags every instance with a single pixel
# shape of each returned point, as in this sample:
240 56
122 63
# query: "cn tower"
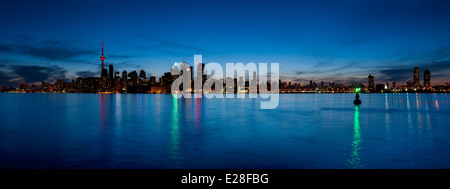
102 57
103 62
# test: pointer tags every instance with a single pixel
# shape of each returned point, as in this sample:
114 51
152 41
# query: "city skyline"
134 82
151 36
109 73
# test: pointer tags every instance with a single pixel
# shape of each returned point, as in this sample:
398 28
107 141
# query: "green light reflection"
355 159
174 144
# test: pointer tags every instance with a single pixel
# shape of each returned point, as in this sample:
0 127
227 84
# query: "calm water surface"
158 131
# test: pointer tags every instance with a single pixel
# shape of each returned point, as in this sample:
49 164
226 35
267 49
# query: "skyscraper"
111 75
124 75
175 71
426 78
192 72
124 79
416 80
111 71
152 80
371 83
142 74
134 78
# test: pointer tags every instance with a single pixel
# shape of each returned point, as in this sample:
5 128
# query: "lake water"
306 131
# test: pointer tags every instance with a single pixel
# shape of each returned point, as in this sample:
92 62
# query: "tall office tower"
133 78
111 71
111 76
105 73
371 83
124 75
152 80
175 71
393 85
199 79
408 83
426 78
142 74
192 72
200 72
124 79
416 77
184 66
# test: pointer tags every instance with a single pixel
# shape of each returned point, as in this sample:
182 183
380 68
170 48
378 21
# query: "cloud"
5 78
87 74
55 52
35 73
396 74
50 50
119 56
5 48
438 70
171 47
441 53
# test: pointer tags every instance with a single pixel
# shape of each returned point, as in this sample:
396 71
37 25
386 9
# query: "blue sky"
340 41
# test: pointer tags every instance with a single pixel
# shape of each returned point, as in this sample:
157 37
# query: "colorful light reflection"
355 160
174 144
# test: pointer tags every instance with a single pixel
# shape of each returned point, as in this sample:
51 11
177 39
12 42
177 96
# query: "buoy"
357 101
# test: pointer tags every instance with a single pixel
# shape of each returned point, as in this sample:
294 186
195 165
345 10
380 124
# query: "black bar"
275 177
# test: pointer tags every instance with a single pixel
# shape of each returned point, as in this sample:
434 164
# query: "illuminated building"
124 79
111 71
111 76
184 66
166 82
142 74
371 83
192 72
426 78
416 79
175 71
380 88
133 77
152 80
124 75
201 72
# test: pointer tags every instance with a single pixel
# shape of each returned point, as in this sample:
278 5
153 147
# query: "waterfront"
158 131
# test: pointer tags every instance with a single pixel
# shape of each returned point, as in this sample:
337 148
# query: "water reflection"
387 120
174 143
102 112
355 156
437 105
198 113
